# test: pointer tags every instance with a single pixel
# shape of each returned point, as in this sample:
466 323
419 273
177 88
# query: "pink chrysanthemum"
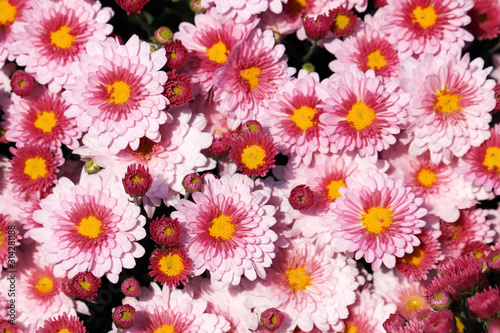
22 83
63 323
176 53
40 119
293 119
363 114
254 153
343 21
243 11
90 226
165 310
116 94
170 267
317 27
485 304
482 164
376 217
209 43
33 169
311 288
12 11
165 231
485 19
134 6
131 287
250 77
427 26
178 89
137 180
83 285
228 229
367 48
124 316
449 107
54 34
418 264
470 226
444 191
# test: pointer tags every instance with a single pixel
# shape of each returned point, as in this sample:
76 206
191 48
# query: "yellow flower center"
298 279
62 37
251 75
1 237
90 227
222 228
447 103
126 315
171 264
253 156
460 325
35 167
44 285
414 258
425 17
426 177
350 329
302 117
273 319
7 13
492 158
136 179
376 60
64 330
177 90
377 219
333 189
165 329
168 231
218 52
46 121
361 116
297 5
341 21
119 92
414 303
85 284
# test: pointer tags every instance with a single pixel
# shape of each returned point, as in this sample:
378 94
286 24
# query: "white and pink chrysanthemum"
449 108
293 119
482 164
165 310
243 11
250 77
368 48
117 92
209 43
91 226
39 119
427 26
11 11
309 287
377 218
228 229
444 191
53 34
177 154
363 114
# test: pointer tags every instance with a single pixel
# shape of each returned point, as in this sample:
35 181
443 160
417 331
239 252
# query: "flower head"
125 316
177 54
343 21
178 89
131 287
22 83
132 5
301 197
137 180
317 28
485 19
83 285
485 304
97 230
272 319
63 323
165 231
254 153
170 267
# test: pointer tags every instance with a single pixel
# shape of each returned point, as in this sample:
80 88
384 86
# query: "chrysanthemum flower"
316 27
464 274
176 53
116 94
137 180
178 89
250 77
367 48
427 26
54 34
444 191
209 43
482 164
485 19
254 153
22 83
131 287
12 11
40 119
165 310
165 231
376 217
485 304
124 316
311 288
170 267
33 169
293 119
363 114
8 327
83 285
90 226
132 5
418 264
63 323
228 229
449 107
343 21
471 225
243 11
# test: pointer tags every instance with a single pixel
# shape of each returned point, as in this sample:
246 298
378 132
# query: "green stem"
311 51
144 26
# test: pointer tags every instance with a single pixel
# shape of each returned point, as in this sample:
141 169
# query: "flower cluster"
260 166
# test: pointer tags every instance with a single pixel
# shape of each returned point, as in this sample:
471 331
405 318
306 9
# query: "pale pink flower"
242 11
12 11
